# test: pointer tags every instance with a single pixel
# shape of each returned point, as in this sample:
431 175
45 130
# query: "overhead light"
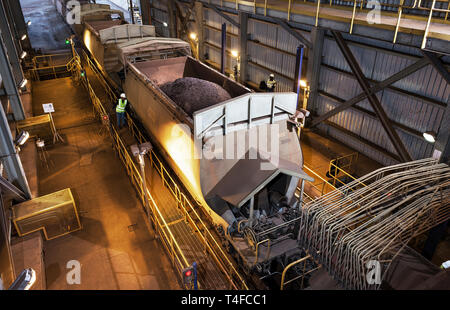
302 83
25 280
23 55
23 83
23 37
29 22
193 36
22 138
235 53
430 136
165 24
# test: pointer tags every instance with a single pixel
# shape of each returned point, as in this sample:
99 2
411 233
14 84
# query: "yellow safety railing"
302 276
44 65
193 218
257 249
323 186
168 240
343 166
400 6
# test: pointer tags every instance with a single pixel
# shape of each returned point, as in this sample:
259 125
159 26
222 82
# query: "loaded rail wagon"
237 152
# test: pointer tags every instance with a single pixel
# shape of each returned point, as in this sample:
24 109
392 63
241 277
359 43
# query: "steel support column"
8 36
314 61
223 54
243 38
172 18
10 158
9 83
442 143
443 138
199 28
145 12
20 25
373 100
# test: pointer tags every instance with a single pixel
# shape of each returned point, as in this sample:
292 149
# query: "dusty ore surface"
193 94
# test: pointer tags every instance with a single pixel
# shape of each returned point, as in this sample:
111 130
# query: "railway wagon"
236 151
76 15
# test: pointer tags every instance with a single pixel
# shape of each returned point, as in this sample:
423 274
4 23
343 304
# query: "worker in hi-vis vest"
271 83
120 110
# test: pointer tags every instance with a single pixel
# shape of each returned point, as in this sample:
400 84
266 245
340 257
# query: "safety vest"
271 84
121 106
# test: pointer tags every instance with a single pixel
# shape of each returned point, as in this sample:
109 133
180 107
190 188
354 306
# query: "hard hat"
122 95
272 75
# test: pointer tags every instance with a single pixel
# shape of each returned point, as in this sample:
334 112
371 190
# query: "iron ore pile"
192 94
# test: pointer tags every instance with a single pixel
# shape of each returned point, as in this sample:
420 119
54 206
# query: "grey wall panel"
412 111
337 84
258 74
356 145
215 20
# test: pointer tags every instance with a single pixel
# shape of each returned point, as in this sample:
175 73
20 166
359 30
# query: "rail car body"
240 159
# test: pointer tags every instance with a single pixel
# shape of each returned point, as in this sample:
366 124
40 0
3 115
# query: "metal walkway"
186 238
210 277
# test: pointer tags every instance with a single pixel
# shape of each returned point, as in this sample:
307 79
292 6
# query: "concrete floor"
114 247
48 29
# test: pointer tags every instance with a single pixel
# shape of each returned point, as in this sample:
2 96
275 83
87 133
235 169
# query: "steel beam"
172 18
10 158
11 190
399 126
225 16
20 25
9 83
364 141
443 137
373 90
438 65
243 52
8 39
314 62
145 11
292 32
373 100
374 31
200 34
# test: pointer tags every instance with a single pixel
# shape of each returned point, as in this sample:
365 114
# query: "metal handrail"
188 208
240 223
169 242
400 6
257 248
283 275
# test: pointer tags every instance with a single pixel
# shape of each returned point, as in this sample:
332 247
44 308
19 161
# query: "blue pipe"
300 49
195 276
224 48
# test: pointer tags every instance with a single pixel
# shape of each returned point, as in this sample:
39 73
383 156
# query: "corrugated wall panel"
332 82
215 20
356 145
258 74
406 109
